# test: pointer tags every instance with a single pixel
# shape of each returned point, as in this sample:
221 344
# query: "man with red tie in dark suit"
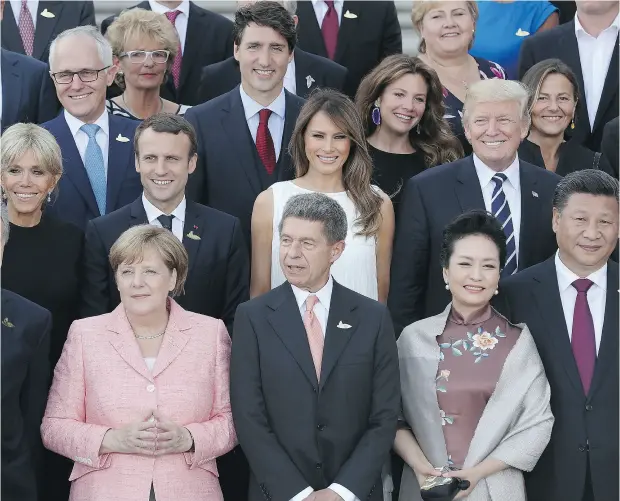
570 304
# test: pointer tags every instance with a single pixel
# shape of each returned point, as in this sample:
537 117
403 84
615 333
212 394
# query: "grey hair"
103 46
320 208
496 90
6 227
587 181
289 5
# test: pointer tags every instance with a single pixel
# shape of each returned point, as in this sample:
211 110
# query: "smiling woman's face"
448 28
146 75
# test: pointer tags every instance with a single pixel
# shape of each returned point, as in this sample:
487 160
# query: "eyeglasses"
139 56
66 77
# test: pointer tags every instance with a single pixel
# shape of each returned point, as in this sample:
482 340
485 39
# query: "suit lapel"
45 26
11 89
119 160
287 323
137 213
301 72
193 226
570 49
348 28
609 89
311 36
236 127
290 118
341 311
193 42
608 349
468 191
11 39
547 297
174 341
531 208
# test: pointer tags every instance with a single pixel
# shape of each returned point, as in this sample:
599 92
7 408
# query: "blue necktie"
93 162
501 210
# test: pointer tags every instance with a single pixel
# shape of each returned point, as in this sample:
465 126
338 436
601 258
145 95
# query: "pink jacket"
102 382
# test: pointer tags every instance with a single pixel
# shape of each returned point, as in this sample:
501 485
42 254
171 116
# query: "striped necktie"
501 210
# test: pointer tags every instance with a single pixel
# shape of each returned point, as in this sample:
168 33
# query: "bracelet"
192 448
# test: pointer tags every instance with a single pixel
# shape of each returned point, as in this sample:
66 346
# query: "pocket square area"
342 325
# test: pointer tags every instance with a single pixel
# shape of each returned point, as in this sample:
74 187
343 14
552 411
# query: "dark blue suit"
25 380
28 93
76 201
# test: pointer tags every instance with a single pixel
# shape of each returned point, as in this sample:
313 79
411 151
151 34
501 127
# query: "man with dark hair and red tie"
570 304
243 135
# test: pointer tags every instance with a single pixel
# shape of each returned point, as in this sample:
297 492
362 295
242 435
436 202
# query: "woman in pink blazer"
140 398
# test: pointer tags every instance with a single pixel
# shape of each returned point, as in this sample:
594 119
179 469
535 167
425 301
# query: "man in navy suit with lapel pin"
243 135
305 73
26 329
570 304
97 148
519 194
219 267
314 380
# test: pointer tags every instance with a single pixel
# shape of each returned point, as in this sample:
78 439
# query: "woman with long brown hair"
329 152
401 106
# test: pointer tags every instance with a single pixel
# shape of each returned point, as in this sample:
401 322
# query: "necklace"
161 105
149 337
446 70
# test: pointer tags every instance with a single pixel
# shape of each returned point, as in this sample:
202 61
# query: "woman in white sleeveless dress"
330 156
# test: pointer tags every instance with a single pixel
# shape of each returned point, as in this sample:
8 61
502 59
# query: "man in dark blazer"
609 147
230 172
99 172
206 38
26 331
28 93
595 66
570 304
367 32
311 72
434 198
50 19
314 380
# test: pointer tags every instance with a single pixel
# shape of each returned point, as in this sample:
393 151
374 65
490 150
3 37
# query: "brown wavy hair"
435 140
357 170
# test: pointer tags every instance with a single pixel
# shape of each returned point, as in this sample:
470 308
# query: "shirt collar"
580 30
566 277
152 212
324 294
318 2
75 123
251 107
162 9
485 173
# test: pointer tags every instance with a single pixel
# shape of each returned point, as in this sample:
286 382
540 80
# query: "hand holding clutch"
439 488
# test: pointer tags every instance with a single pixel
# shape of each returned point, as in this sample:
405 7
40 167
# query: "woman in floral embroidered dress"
475 396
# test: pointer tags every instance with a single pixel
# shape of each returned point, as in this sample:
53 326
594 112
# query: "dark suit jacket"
25 381
609 147
228 174
561 42
76 200
586 427
363 41
66 15
28 93
208 40
433 199
219 269
339 429
222 77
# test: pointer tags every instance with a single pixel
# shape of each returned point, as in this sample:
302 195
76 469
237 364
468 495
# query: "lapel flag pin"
349 15
122 139
48 14
534 194
309 81
343 326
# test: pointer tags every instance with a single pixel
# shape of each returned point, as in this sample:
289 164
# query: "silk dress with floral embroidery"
472 357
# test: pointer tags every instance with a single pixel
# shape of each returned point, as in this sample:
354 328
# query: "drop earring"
376 115
572 124
49 197
418 128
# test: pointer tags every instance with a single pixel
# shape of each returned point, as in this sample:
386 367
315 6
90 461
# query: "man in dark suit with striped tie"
496 120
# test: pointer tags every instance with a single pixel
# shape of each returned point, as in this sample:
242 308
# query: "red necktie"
329 28
26 28
176 64
264 143
583 340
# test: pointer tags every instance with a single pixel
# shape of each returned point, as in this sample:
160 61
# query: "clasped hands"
151 437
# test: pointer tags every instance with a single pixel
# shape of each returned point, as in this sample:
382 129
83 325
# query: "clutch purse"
438 488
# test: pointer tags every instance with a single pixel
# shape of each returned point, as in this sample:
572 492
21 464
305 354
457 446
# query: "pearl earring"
496 292
447 286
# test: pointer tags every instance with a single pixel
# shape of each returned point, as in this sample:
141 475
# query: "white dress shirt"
321 311
597 296
81 138
511 187
178 221
320 9
181 21
33 7
276 120
290 84
595 56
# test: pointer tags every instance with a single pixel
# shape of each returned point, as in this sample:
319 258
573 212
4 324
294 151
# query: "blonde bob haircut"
422 7
132 244
142 24
20 139
496 90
